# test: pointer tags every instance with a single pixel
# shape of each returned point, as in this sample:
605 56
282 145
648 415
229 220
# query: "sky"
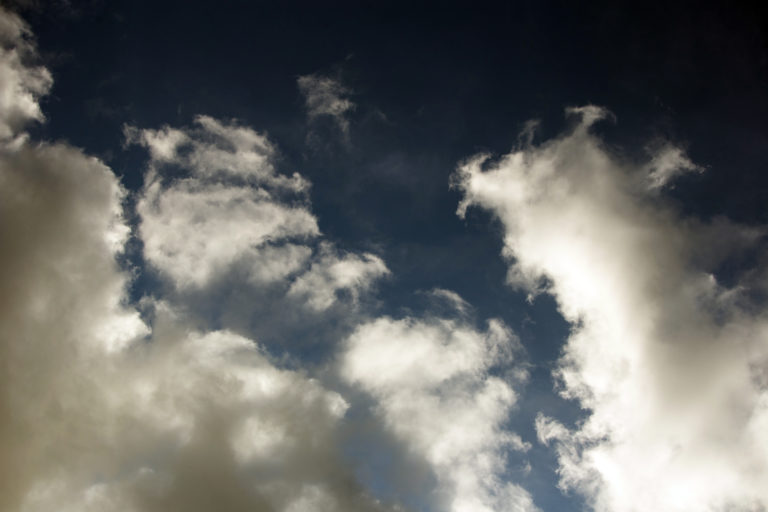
394 257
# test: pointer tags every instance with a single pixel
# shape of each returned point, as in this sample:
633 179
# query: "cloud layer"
669 363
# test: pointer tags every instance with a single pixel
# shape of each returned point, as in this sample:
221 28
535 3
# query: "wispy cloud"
325 96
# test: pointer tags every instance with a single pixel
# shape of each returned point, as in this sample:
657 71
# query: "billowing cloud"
326 96
432 380
230 207
668 362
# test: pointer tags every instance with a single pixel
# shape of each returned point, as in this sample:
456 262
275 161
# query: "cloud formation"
668 362
332 272
433 385
326 96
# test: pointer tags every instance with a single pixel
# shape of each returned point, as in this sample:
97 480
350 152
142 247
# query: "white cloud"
20 83
669 366
231 208
332 272
326 96
213 204
431 380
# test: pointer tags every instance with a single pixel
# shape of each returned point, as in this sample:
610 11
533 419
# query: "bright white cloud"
95 418
431 380
193 231
21 84
669 366
231 208
667 163
326 96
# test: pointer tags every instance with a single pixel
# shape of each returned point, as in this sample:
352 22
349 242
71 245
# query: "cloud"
331 273
97 413
104 408
326 97
62 307
214 203
21 84
434 388
668 362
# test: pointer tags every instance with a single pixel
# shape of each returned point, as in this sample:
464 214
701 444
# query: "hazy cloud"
326 96
669 363
668 162
332 272
230 208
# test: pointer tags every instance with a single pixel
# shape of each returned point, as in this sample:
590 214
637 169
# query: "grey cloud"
61 311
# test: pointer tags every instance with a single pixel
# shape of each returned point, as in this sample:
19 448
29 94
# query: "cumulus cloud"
326 96
214 202
667 163
21 84
668 362
433 384
97 413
